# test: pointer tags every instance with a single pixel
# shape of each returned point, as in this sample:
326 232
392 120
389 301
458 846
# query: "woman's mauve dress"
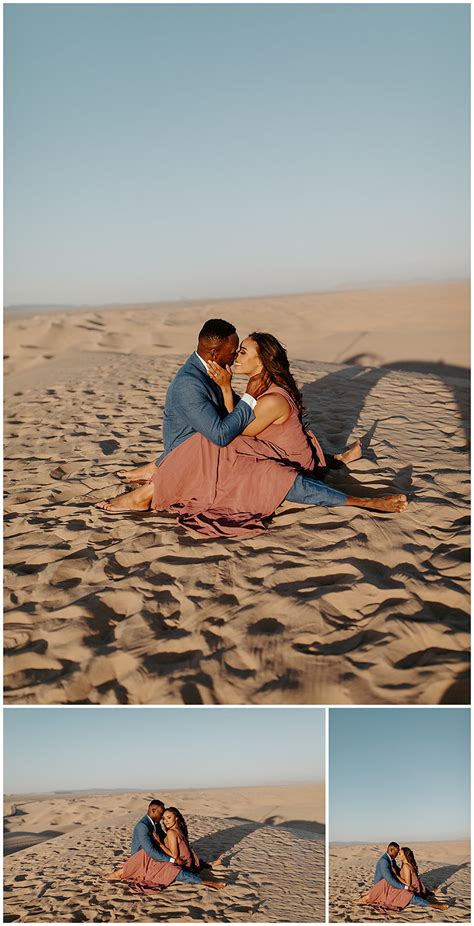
228 491
386 897
187 855
146 874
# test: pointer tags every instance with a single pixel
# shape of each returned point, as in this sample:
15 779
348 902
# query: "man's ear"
213 352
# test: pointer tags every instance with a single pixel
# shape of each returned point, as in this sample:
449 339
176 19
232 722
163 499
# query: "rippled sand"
441 864
329 605
273 867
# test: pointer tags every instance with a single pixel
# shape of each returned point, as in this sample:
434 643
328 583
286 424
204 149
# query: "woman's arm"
270 409
171 842
405 875
223 378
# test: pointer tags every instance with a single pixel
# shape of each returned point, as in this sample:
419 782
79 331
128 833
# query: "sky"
399 774
172 151
60 749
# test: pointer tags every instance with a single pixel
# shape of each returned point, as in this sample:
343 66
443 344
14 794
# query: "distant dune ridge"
273 861
329 605
441 864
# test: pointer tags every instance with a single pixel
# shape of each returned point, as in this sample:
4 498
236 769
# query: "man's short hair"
156 804
393 845
216 329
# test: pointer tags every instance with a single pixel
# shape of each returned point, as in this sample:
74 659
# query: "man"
194 404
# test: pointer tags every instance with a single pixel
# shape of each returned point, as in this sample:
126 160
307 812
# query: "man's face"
155 813
393 852
225 352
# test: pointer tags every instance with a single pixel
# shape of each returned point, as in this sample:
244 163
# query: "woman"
229 491
387 897
177 842
409 873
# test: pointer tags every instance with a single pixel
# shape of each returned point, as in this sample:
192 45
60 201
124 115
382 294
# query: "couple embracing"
229 462
397 886
159 858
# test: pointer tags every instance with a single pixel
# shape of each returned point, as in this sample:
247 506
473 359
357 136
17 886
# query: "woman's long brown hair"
181 820
410 857
275 361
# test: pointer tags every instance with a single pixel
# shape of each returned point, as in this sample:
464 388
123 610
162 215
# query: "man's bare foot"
354 452
217 885
138 500
393 503
138 473
440 906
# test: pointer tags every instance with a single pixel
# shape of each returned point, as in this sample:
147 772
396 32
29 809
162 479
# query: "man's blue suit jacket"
383 869
194 404
142 839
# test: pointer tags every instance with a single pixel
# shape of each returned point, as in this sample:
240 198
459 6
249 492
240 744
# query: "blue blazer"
142 839
383 869
194 404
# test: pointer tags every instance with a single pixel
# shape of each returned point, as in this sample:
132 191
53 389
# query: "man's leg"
189 876
308 491
418 901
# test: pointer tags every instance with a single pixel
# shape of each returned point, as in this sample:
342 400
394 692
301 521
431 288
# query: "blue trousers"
189 876
418 901
309 491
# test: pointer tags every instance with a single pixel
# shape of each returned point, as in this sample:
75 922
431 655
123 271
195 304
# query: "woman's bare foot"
393 503
138 500
217 885
354 452
113 875
138 473
359 900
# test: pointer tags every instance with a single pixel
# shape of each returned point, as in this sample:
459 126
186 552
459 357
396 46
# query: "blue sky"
399 774
49 749
157 151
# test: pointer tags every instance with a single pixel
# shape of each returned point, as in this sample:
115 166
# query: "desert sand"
334 606
272 840
441 864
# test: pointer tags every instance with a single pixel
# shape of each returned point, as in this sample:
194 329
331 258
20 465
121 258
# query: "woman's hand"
222 377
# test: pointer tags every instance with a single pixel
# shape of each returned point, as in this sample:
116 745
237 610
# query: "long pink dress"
146 874
228 491
386 897
187 855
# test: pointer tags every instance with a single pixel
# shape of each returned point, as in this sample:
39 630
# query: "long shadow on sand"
223 841
345 391
437 876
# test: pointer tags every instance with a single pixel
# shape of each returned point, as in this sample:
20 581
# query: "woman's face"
247 360
403 857
169 819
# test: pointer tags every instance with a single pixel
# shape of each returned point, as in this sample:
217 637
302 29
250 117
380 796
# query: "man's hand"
258 384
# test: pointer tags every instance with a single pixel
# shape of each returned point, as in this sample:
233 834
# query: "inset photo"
164 814
399 815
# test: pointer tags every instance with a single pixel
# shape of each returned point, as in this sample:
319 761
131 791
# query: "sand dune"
441 864
329 605
272 872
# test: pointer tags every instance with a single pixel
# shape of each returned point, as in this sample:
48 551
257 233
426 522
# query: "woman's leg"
354 452
115 875
138 500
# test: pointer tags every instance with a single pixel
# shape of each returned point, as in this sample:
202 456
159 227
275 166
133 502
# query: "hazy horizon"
346 287
160 152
